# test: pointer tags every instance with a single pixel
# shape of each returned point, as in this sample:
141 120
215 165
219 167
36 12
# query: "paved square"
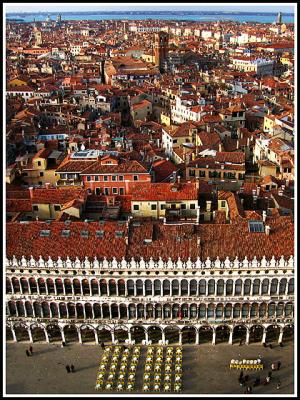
205 369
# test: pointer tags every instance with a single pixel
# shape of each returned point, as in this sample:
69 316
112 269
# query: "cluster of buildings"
149 181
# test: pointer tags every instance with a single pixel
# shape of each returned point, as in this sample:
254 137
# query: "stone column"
55 288
81 288
38 288
128 312
64 288
134 288
21 288
14 334
117 289
96 336
12 288
144 289
214 337
129 335
84 312
79 336
264 336
90 288
119 314
68 315
30 336
180 337
46 336
230 336
110 313
287 288
72 287
146 336
248 336
152 286
113 336
280 336
198 337
93 312
163 336
63 338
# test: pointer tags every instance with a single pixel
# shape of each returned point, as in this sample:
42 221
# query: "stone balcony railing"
151 264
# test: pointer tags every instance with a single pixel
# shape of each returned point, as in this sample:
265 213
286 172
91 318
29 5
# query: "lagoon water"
161 16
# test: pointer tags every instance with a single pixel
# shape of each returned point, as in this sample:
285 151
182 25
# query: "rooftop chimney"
31 192
220 147
47 185
264 215
237 144
268 229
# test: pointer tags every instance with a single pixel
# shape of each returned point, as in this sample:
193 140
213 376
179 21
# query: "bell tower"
161 45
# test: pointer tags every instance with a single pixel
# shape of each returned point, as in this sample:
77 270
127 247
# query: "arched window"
54 310
12 308
37 309
265 286
211 287
271 310
256 286
16 285
95 287
210 311
59 286
139 287
274 285
85 287
71 310
229 287
50 286
175 311
63 310
8 286
262 310
121 287
157 288
140 310
185 311
220 287
88 310
279 310
114 311
97 310
202 311
228 311
166 288
184 287
254 310
68 286
130 287
148 287
236 311
282 286
291 286
131 311
219 311
33 285
77 286
193 311
238 287
245 310
247 287
149 311
175 287
193 287
46 309
158 311
103 287
202 287
288 310
24 284
42 285
167 311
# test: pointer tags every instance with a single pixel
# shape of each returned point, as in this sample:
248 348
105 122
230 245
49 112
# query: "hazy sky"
52 7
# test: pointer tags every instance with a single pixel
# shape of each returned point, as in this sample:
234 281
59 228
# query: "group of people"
70 368
29 352
243 380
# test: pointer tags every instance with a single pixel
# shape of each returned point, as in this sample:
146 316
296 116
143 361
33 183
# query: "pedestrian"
27 353
31 350
241 342
249 389
273 367
68 368
268 378
72 368
278 385
241 374
278 365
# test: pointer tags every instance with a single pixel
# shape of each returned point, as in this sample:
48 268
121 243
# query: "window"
192 206
88 178
65 233
57 207
35 208
39 163
115 190
100 234
223 203
183 206
84 234
162 206
105 178
174 140
121 177
136 207
106 191
41 173
153 207
45 233
192 172
256 226
135 178
114 178
202 174
121 191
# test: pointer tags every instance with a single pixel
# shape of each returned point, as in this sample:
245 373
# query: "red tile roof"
163 191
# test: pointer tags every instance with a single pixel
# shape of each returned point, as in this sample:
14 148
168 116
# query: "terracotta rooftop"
163 191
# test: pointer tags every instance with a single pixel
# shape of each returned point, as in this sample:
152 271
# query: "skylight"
65 233
45 233
256 226
99 234
119 234
84 234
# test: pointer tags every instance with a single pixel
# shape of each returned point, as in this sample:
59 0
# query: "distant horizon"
30 8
